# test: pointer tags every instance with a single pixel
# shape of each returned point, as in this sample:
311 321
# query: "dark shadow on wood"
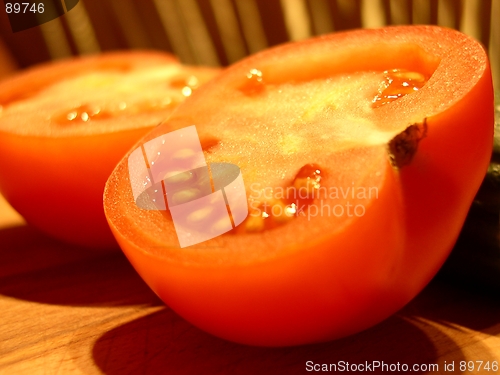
164 343
36 268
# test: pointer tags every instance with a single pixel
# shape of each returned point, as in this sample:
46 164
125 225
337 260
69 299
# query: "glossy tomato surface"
65 125
387 133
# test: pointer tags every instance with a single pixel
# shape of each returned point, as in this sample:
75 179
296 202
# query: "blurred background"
219 32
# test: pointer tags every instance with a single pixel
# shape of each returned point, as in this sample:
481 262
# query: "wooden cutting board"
66 310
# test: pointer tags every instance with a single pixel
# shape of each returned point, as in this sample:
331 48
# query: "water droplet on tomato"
254 83
291 209
187 84
88 112
85 116
82 113
72 115
399 83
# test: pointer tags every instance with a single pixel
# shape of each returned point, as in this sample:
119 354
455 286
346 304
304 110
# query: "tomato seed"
200 215
276 212
307 181
186 195
177 177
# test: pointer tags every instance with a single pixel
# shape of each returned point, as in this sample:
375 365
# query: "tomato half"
387 133
64 126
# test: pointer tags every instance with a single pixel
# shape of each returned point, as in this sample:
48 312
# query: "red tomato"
64 126
388 134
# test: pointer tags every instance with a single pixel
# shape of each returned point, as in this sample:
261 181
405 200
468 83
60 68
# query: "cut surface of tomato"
360 153
65 125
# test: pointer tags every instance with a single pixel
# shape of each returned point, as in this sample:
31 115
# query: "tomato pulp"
387 133
64 126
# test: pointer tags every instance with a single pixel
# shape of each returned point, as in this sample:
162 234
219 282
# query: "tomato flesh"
389 198
64 127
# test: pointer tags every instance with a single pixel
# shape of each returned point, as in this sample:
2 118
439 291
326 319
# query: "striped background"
218 32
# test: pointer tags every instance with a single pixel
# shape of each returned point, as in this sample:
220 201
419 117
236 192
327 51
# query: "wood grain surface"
66 310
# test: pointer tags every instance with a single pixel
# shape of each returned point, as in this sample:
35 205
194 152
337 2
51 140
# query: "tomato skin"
351 277
441 161
57 185
285 301
55 178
